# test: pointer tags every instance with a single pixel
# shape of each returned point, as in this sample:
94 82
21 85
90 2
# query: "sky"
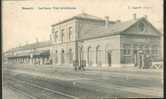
25 20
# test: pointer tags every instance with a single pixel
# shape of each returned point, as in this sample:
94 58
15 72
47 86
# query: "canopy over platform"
41 53
20 55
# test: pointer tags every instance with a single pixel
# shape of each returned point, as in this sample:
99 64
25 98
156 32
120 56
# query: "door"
135 60
109 59
141 61
81 56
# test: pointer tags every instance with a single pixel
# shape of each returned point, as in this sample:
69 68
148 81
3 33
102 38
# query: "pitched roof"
81 16
34 45
113 29
87 16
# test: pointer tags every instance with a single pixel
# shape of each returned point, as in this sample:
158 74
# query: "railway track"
87 88
22 92
67 87
34 91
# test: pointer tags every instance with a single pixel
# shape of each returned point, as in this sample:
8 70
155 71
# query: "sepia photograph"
82 49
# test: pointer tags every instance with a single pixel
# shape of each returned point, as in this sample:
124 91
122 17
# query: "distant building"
100 42
35 53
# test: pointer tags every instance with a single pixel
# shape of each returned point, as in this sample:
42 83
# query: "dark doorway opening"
109 59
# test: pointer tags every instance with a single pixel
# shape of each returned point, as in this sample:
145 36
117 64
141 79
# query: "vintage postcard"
82 49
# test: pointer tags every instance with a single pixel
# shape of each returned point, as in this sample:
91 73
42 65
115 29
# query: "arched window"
109 56
62 35
81 53
56 36
89 56
62 57
56 56
70 33
70 56
98 55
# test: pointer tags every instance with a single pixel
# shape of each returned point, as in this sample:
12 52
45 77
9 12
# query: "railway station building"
101 42
97 42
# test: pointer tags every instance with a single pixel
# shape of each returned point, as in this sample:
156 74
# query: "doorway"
109 58
141 61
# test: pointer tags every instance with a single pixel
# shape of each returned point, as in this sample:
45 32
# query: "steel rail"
23 93
47 89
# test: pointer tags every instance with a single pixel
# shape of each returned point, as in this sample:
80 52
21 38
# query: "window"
70 56
127 49
147 49
98 55
50 37
89 55
81 53
62 33
135 48
56 36
128 60
62 57
155 50
70 33
56 56
141 27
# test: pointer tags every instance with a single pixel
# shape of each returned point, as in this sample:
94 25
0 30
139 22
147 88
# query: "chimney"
106 21
134 16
